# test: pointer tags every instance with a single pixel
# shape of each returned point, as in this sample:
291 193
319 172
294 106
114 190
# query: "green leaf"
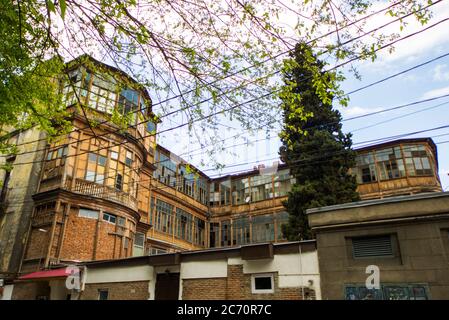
51 6
63 7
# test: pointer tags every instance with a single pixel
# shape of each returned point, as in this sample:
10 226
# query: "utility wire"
395 75
348 119
263 96
321 158
339 45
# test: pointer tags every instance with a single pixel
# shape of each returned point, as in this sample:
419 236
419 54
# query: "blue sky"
425 82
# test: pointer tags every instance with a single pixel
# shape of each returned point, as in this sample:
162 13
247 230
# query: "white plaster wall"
294 270
163 269
7 292
204 269
119 274
306 263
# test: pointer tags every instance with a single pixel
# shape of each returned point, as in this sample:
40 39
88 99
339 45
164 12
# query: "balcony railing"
104 192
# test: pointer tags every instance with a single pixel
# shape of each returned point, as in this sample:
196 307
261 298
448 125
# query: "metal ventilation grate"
379 246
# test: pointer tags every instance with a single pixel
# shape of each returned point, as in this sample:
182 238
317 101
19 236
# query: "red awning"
55 273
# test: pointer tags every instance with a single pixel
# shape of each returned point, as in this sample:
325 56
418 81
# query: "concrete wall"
7 292
421 248
119 274
23 183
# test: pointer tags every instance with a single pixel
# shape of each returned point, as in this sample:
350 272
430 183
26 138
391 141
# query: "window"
281 219
262 283
185 181
214 240
283 183
96 168
55 160
214 194
155 251
119 181
166 170
121 221
152 211
183 225
139 244
86 213
201 190
225 233
241 234
139 239
128 103
390 163
129 158
240 191
109 218
225 192
114 155
151 127
373 246
366 168
417 160
103 294
164 216
261 187
263 228
102 94
200 226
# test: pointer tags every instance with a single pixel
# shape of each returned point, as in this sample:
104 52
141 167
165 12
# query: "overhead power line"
267 94
320 158
311 41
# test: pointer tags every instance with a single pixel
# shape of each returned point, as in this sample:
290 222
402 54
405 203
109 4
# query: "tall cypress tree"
314 146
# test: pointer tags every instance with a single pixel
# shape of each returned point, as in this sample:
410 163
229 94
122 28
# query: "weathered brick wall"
30 290
79 237
105 242
38 244
237 286
204 289
118 291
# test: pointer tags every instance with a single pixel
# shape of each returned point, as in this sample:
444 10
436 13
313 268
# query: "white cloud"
357 111
435 93
440 73
432 41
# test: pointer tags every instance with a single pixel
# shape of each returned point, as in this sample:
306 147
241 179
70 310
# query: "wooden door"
167 286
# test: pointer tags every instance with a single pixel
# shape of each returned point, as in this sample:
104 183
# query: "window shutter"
379 246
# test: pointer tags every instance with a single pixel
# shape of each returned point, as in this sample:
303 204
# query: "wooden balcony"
399 186
100 191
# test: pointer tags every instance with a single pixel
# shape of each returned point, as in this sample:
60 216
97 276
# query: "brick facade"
30 290
204 289
237 286
118 290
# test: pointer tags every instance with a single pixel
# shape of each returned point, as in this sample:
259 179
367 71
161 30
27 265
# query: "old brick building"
285 271
103 192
